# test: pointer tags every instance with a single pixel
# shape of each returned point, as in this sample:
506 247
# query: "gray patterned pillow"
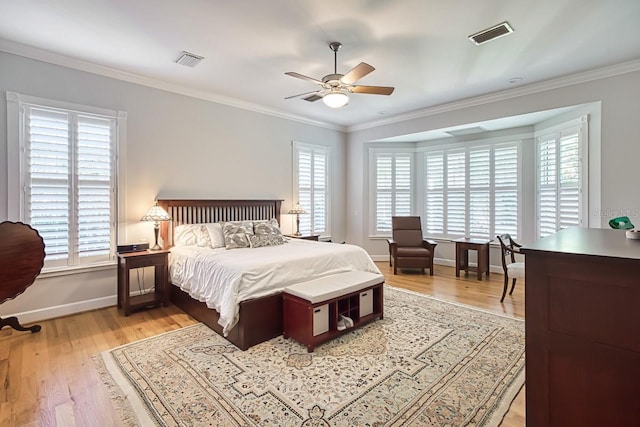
266 233
237 234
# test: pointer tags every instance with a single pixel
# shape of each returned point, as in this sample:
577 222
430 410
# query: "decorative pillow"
185 235
191 235
269 226
237 234
266 233
203 240
216 235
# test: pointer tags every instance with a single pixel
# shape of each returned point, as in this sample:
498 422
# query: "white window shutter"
569 179
312 188
506 179
547 187
434 189
456 195
559 166
402 185
94 185
393 192
479 192
319 193
559 198
70 184
48 198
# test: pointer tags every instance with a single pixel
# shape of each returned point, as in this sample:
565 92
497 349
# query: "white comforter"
223 278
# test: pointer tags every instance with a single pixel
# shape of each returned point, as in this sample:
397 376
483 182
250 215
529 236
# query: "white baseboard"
442 261
32 316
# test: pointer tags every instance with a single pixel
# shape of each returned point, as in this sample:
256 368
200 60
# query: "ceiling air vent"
492 33
466 131
189 59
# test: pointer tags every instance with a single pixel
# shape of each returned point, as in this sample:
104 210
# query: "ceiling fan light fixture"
336 99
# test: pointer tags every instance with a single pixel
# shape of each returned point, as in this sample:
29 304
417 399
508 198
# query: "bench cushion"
334 286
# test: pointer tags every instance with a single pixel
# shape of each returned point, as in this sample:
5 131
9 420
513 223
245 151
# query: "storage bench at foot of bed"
313 310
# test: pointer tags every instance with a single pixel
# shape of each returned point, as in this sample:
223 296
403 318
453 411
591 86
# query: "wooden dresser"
583 329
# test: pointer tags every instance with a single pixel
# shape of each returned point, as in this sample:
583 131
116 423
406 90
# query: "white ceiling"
418 46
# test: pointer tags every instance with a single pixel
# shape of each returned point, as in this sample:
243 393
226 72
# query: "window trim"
16 145
295 191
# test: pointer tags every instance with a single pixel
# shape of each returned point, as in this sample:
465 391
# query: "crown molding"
570 80
69 62
77 64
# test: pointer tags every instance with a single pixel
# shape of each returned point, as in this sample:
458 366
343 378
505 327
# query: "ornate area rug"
427 363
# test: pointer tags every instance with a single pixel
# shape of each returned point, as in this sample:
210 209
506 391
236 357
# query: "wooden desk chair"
407 247
512 269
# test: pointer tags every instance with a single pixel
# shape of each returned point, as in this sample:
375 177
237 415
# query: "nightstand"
307 237
160 293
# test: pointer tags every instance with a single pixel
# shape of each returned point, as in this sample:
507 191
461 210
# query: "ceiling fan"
336 87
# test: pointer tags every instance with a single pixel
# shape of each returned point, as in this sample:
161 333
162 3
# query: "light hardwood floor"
49 379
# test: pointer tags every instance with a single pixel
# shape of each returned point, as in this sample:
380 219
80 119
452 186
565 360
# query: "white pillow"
191 235
185 235
215 234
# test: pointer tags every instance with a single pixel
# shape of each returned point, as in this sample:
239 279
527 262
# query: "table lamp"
156 214
296 210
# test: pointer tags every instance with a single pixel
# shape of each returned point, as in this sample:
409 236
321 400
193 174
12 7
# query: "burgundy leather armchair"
407 247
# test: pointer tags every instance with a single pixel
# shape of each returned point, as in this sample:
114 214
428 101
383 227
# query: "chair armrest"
429 244
393 246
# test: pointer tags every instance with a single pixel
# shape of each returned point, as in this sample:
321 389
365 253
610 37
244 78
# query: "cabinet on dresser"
582 290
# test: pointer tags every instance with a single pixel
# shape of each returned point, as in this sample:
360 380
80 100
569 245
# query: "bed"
245 304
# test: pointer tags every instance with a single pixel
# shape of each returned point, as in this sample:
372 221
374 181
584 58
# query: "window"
472 191
456 193
505 189
67 180
434 194
393 189
311 189
559 201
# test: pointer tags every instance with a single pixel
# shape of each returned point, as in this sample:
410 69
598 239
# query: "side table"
304 237
463 246
159 295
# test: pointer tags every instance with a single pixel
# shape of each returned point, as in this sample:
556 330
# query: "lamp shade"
297 209
156 213
335 99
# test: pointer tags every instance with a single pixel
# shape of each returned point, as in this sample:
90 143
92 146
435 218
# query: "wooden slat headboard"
204 211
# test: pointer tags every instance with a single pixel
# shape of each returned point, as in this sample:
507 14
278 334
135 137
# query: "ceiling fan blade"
312 98
302 94
356 73
300 76
374 90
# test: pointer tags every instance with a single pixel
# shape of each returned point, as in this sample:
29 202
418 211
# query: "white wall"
613 150
177 146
